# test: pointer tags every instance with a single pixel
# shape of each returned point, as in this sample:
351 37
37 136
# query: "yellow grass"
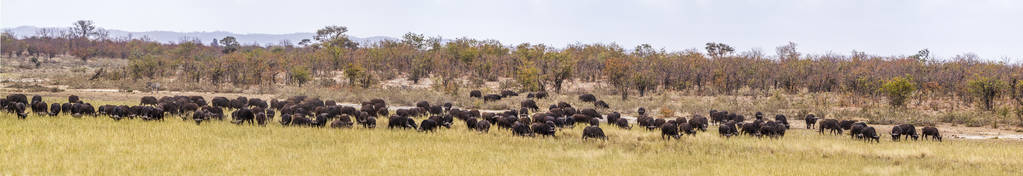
100 146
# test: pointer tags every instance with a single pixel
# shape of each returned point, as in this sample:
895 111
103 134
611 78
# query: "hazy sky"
989 28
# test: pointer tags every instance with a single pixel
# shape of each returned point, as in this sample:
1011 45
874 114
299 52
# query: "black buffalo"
587 98
594 132
932 132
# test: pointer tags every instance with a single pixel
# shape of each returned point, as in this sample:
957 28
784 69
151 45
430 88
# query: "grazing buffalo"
198 116
483 126
846 124
285 119
491 97
243 115
301 121
623 123
810 121
396 121
149 100
594 132
537 95
601 104
508 93
831 125
544 129
932 132
906 130
520 129
868 133
856 129
587 98
699 122
39 107
73 99
260 118
752 129
782 120
529 104
727 129
668 131
613 117
428 125
686 128
475 94
343 122
54 109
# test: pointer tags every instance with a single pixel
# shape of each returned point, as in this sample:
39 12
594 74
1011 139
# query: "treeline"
717 69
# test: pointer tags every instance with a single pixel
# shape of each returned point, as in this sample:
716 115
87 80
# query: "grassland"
100 146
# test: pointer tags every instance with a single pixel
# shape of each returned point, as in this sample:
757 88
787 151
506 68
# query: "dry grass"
100 146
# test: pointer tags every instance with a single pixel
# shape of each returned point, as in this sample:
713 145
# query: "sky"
990 29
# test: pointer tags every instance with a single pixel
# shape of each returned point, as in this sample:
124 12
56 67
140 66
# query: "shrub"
986 89
898 90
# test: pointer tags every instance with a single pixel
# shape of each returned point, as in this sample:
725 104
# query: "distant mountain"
204 37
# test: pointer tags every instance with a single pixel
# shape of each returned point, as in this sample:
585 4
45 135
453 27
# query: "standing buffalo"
810 121
475 94
831 125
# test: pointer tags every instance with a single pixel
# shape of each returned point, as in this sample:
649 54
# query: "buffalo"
868 133
483 126
831 125
668 131
491 97
594 132
727 129
932 132
810 121
587 98
907 130
148 100
475 94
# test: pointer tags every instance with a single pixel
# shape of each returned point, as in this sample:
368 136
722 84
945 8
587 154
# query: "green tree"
300 75
898 89
334 36
718 49
354 73
987 89
230 44
528 76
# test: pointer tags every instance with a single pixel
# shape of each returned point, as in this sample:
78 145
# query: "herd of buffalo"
529 120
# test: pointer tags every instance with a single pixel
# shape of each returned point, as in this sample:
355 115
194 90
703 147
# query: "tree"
788 51
987 89
718 49
898 90
354 73
1016 92
922 55
417 41
300 75
616 70
335 36
83 29
230 44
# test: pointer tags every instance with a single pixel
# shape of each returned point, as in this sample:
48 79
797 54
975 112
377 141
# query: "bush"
898 90
986 89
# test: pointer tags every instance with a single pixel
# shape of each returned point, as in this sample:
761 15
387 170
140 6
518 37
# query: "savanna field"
64 145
